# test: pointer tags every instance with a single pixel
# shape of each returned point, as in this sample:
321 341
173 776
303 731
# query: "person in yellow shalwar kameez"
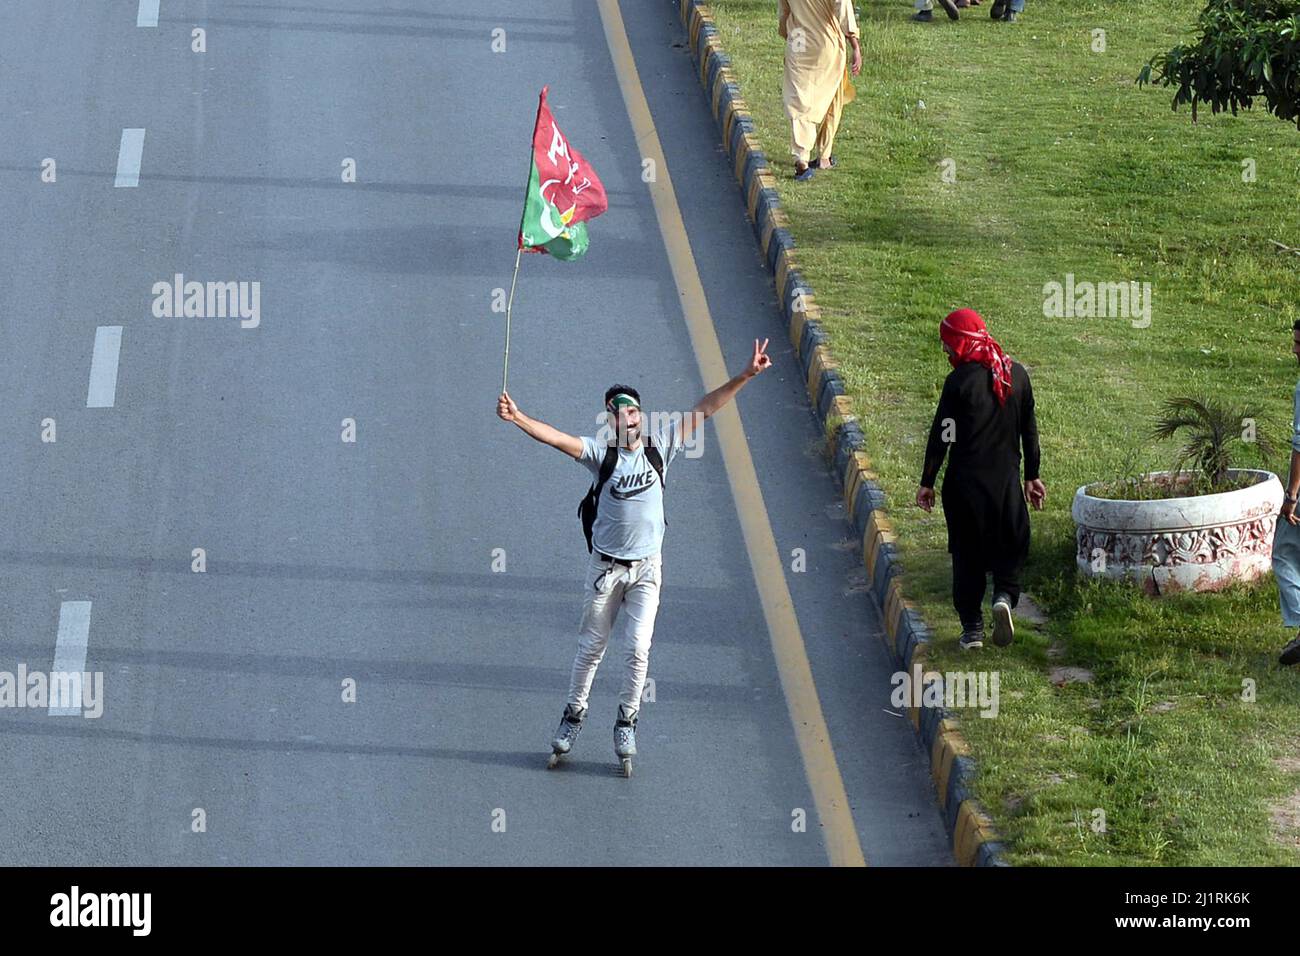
817 34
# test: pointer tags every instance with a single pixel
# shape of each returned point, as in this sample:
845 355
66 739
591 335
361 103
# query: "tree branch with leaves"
1247 50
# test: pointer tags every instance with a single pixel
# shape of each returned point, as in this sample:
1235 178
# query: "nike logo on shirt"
629 486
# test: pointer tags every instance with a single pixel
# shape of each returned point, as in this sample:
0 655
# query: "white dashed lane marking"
129 153
70 651
148 14
102 392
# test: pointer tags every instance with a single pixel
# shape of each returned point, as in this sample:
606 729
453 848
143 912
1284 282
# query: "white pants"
611 589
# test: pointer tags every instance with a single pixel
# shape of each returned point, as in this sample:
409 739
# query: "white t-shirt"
630 513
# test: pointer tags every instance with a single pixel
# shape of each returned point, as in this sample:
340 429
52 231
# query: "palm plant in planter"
1197 529
1213 432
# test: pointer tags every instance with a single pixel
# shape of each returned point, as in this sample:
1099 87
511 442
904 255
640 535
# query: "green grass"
1154 488
1063 165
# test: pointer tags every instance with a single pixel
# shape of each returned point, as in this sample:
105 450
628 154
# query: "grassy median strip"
980 162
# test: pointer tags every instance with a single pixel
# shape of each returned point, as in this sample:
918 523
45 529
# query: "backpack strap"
657 463
607 466
588 506
656 460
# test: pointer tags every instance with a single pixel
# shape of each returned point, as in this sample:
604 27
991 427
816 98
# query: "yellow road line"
839 832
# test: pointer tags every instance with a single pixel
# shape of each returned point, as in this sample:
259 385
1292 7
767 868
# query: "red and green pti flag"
563 193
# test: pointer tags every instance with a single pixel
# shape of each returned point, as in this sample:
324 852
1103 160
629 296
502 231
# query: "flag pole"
505 368
505 365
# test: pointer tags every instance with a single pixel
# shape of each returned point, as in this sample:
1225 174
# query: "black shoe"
1291 653
1010 17
949 8
923 16
1000 7
1004 632
971 638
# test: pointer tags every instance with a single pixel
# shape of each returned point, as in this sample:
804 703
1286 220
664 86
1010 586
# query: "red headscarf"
964 332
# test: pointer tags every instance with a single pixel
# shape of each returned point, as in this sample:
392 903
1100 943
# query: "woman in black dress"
986 412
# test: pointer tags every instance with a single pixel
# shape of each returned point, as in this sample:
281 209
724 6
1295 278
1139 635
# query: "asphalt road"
225 738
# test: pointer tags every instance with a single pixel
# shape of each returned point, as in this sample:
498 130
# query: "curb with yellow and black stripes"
974 841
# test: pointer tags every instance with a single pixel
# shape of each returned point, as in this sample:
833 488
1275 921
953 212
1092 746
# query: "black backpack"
587 507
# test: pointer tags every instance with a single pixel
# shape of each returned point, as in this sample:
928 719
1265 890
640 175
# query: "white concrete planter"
1200 543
